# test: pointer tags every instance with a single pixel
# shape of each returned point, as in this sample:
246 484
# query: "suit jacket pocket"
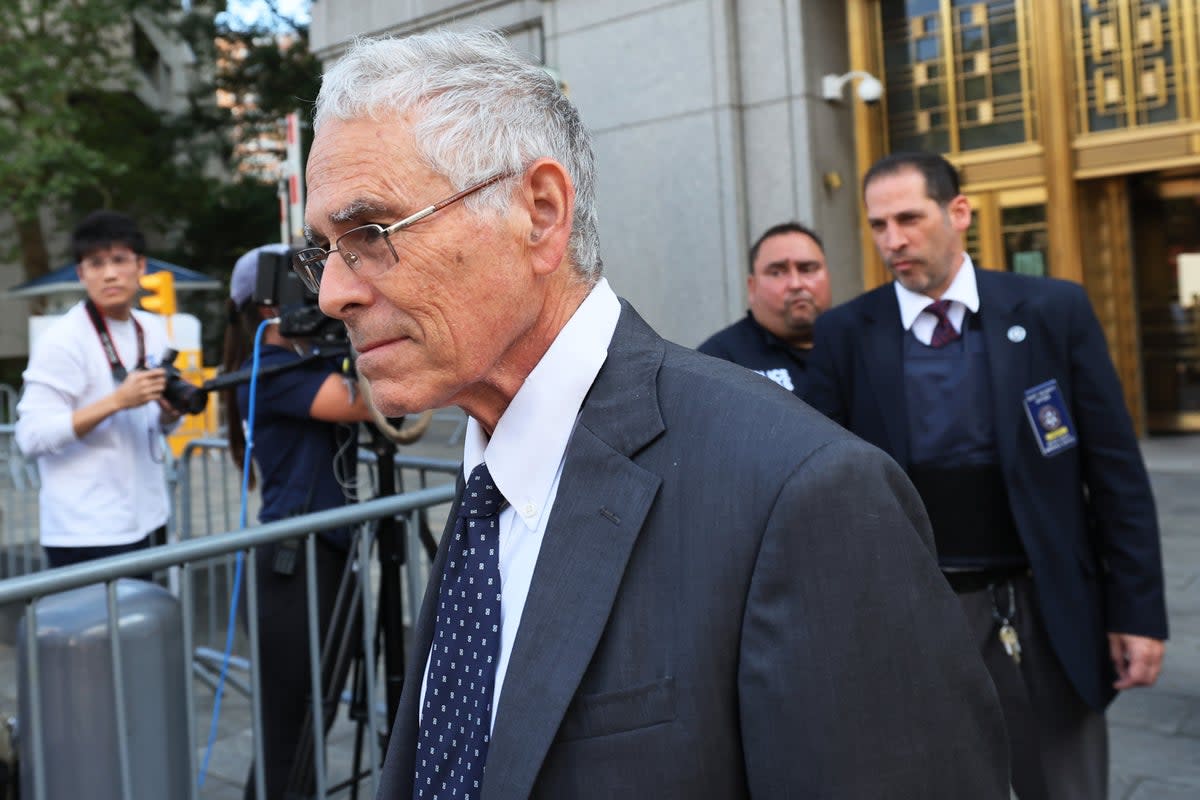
615 712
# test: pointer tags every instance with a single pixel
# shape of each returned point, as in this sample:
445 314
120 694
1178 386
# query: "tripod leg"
339 624
391 550
361 716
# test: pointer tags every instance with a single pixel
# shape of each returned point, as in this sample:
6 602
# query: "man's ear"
959 210
549 200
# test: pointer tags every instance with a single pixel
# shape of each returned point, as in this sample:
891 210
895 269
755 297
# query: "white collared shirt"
525 453
962 292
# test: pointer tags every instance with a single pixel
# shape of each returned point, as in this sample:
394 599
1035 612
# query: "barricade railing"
203 482
206 488
187 556
20 551
8 404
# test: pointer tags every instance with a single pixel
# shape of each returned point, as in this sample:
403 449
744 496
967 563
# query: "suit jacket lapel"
1001 316
603 498
883 352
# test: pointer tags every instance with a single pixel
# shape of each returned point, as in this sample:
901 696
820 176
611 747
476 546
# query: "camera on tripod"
299 316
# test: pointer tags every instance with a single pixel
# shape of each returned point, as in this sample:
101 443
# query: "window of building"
1026 239
957 74
1127 66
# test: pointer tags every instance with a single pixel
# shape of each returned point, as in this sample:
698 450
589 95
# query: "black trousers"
66 556
283 652
1058 744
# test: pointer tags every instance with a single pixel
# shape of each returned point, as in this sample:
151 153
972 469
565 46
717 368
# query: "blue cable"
237 575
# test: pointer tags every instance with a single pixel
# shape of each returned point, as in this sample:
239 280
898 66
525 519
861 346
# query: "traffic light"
161 286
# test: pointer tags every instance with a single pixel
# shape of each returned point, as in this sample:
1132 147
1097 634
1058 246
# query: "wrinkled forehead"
360 168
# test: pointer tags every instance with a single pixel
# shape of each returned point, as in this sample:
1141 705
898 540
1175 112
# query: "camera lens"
183 396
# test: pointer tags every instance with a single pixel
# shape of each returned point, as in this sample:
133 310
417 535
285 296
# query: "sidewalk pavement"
1154 734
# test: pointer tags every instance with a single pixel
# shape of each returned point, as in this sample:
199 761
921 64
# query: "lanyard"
110 348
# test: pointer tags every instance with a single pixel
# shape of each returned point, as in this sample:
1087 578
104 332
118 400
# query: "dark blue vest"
954 462
949 400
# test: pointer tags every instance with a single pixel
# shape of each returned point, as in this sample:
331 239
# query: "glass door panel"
1167 233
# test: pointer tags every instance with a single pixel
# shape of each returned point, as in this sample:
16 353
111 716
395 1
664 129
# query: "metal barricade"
8 404
200 559
191 556
20 552
207 501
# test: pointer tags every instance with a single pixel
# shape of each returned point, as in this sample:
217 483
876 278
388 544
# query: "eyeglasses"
368 249
123 260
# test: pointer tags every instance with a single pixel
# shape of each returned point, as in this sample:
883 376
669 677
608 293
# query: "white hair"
482 109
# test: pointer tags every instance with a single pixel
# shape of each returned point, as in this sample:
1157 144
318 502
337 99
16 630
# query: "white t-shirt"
108 488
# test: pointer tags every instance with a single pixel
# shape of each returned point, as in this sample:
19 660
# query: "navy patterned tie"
456 719
943 332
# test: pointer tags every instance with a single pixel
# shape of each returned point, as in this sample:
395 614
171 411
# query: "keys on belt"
999 585
1005 618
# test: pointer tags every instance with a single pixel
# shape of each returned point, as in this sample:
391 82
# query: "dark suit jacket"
1085 515
734 598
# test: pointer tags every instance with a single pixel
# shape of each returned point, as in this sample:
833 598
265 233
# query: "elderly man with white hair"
660 579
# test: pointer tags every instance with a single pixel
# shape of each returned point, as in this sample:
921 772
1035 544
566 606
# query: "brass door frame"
1049 162
988 208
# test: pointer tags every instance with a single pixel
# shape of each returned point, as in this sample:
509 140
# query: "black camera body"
184 397
299 316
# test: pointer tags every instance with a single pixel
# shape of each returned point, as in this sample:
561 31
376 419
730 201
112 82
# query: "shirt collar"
527 447
963 289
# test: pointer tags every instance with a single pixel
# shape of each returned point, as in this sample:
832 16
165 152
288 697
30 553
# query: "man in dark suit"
996 394
639 592
787 289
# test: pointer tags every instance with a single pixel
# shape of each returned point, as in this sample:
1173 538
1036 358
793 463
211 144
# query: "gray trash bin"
79 721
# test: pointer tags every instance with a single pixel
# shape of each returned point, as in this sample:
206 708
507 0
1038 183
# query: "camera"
299 316
870 89
184 397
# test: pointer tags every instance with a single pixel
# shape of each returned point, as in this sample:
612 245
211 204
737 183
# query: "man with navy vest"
997 395
787 289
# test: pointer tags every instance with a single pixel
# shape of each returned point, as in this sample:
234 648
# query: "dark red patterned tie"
943 332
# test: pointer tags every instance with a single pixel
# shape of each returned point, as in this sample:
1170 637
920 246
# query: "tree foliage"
76 136
278 73
51 52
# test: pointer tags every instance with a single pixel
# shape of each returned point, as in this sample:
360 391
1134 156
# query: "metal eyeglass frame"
309 263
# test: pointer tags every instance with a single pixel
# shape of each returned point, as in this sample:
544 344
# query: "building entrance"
1166 230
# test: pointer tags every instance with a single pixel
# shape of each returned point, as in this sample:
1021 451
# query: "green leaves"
76 133
51 50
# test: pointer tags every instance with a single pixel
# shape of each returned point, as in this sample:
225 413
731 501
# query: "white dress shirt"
525 454
962 292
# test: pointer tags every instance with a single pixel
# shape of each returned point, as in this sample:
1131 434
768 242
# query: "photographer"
92 412
305 453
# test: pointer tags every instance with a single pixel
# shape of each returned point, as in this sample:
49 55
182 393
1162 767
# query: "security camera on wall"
870 88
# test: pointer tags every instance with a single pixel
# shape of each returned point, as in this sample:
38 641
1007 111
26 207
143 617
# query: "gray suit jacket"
734 598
